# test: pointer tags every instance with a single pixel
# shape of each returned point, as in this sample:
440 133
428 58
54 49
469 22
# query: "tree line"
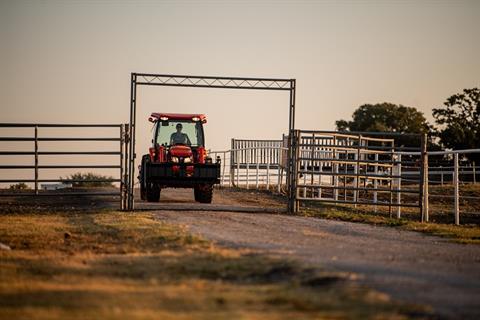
456 123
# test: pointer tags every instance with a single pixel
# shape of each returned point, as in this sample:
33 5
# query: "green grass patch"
467 234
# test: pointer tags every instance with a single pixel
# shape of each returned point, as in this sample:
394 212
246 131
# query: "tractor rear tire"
203 193
142 178
153 192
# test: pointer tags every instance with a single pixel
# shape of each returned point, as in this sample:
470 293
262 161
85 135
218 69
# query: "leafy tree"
85 180
387 117
19 186
459 122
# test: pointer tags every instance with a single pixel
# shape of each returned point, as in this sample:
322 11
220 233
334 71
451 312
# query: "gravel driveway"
409 266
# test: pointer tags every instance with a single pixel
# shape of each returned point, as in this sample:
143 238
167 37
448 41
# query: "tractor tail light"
153 153
202 153
161 154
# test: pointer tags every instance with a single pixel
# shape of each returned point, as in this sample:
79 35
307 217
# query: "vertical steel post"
391 180
296 169
279 177
357 171
456 179
335 170
256 178
375 183
121 165
268 173
238 169
223 167
399 186
232 163
36 160
292 146
474 173
247 160
125 166
423 200
133 115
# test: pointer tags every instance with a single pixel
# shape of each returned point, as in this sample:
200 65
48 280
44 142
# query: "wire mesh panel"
357 169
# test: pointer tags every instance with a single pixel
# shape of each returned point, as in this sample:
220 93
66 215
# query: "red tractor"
178 158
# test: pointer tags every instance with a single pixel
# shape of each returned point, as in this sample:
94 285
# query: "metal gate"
357 168
37 151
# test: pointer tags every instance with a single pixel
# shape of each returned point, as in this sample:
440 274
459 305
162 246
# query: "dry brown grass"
112 265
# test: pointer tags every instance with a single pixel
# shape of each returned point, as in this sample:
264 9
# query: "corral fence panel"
253 164
28 153
357 169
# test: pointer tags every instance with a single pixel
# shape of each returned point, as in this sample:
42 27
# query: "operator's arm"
189 143
171 138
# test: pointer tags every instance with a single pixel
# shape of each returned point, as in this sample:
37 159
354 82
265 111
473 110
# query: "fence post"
232 163
335 170
456 191
268 174
375 183
121 166
279 178
247 158
224 163
424 179
474 174
36 160
237 171
357 171
399 186
126 187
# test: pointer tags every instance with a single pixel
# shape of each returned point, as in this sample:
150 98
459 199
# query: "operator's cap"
179 125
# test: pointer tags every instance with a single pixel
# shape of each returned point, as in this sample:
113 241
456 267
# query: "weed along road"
409 266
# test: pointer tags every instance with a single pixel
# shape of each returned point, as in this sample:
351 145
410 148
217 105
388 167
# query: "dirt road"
409 266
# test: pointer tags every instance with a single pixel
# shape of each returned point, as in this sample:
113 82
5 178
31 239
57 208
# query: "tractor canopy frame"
169 80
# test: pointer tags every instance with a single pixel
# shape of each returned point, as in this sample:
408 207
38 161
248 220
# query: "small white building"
55 186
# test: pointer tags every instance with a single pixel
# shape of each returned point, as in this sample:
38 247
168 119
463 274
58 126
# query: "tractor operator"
179 137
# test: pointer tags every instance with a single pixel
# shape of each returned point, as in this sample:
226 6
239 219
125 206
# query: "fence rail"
354 170
456 180
119 164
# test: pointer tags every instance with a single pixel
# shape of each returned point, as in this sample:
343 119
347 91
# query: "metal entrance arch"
170 80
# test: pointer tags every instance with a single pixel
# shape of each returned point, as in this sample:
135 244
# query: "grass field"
110 265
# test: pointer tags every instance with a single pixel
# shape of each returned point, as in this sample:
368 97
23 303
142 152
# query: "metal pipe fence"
355 169
435 189
252 168
119 151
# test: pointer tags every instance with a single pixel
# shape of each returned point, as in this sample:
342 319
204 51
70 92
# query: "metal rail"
455 178
354 168
121 138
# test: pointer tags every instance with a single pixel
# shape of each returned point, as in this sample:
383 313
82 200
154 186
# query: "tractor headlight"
187 160
175 159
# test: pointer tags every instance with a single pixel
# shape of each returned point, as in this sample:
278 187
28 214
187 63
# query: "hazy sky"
65 61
